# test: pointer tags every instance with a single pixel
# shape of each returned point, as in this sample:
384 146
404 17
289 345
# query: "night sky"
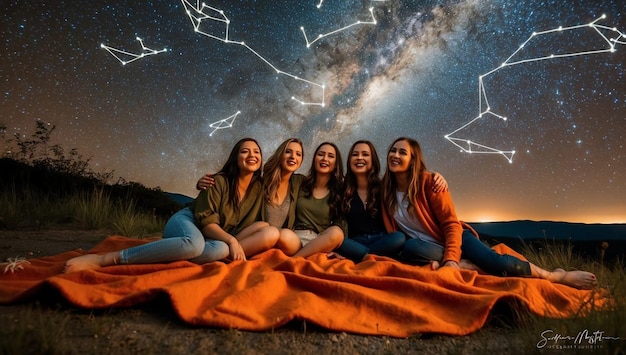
408 68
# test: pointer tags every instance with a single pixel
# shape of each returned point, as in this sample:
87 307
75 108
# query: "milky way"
413 72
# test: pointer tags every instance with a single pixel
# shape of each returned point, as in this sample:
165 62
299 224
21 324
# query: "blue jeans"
472 249
355 248
182 240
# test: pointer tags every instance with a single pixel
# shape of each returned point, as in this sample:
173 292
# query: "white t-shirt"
410 225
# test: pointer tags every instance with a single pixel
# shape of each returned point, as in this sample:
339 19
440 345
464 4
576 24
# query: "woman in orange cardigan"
434 233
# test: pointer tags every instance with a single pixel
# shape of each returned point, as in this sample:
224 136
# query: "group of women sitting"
245 209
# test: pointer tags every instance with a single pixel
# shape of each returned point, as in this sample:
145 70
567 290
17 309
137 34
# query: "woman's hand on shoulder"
205 182
440 183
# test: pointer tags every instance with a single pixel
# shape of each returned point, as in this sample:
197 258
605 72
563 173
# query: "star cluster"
388 68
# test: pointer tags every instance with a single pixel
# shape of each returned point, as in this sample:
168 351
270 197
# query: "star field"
165 119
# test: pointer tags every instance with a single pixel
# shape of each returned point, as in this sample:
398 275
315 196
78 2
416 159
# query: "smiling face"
325 159
249 158
292 157
399 157
361 159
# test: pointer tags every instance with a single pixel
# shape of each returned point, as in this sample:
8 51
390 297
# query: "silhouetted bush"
35 166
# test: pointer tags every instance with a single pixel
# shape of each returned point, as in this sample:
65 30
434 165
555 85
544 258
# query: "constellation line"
199 14
224 123
468 146
118 53
320 36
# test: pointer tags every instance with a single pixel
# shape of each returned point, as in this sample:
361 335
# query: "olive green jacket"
212 206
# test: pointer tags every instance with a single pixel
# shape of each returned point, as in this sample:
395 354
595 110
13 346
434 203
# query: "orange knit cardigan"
435 211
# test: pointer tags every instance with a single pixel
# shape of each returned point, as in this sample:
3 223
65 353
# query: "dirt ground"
51 325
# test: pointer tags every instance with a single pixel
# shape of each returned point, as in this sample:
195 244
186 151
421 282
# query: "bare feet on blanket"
84 262
578 279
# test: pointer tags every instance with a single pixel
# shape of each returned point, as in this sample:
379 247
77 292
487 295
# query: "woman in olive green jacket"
222 222
280 192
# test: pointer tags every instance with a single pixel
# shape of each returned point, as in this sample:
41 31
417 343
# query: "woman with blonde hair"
281 186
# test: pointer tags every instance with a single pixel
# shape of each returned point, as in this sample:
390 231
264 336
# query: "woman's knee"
288 242
192 241
334 235
181 224
397 239
193 246
269 235
213 250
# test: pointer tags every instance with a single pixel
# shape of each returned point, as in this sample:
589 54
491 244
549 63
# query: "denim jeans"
472 249
356 247
182 240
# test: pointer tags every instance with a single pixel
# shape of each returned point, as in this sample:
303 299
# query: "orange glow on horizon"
488 216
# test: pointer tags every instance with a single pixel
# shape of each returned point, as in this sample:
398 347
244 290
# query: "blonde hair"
272 170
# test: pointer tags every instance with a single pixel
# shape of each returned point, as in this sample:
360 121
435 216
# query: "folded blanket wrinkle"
378 296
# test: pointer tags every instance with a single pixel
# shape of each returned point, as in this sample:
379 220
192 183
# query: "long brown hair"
272 169
373 182
335 183
230 170
416 169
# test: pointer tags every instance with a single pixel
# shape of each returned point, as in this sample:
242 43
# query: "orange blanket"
378 296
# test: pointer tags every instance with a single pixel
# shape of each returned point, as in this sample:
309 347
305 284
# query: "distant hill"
179 198
562 231
585 239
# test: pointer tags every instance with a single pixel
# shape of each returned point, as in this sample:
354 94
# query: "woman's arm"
210 211
441 206
214 231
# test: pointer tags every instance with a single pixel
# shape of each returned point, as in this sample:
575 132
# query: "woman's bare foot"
434 265
84 262
578 279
